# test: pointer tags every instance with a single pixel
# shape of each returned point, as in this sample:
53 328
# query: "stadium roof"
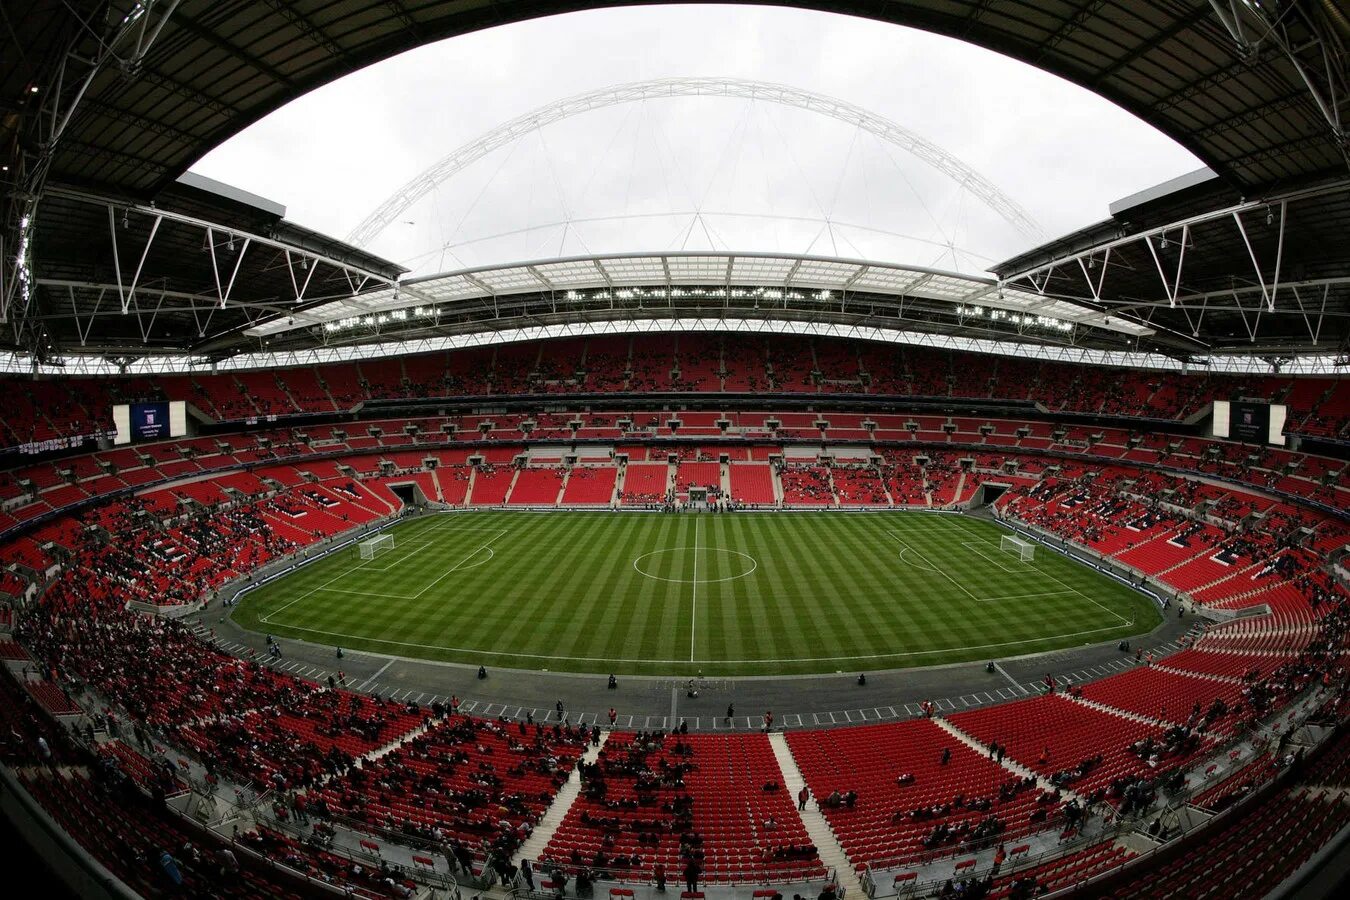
702 284
1267 276
117 99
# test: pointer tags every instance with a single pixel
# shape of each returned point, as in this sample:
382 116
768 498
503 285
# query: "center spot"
680 563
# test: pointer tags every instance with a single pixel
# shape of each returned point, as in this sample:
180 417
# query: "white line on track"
365 684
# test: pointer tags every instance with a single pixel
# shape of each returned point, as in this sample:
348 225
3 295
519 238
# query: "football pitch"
678 594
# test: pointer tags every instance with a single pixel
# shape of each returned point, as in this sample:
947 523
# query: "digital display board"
149 421
155 421
1249 421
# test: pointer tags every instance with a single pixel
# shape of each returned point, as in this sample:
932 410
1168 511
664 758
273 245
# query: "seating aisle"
534 845
827 845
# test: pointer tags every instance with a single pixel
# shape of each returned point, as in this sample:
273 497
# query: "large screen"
149 421
1249 421
137 422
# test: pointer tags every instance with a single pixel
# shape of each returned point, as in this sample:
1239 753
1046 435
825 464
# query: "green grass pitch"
737 594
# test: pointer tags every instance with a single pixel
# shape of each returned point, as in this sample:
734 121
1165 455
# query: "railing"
644 889
420 874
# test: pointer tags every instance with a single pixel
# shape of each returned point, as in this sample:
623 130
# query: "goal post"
374 546
1020 547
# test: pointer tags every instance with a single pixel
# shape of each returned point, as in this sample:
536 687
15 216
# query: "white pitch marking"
268 618
963 588
487 559
693 614
926 565
1105 609
457 565
754 564
974 546
1029 596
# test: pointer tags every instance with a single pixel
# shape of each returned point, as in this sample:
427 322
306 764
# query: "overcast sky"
698 173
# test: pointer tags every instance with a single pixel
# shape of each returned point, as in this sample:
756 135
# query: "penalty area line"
460 564
895 537
1070 588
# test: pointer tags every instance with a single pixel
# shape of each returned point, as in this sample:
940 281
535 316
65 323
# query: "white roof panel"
761 270
886 279
515 278
824 273
572 274
636 270
710 269
706 270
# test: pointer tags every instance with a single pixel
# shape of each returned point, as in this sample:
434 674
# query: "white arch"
504 134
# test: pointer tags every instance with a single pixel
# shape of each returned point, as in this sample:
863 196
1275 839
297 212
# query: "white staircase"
827 845
515 476
1008 762
562 486
534 845
1123 713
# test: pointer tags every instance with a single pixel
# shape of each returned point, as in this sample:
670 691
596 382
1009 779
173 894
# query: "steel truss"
731 322
101 41
1312 37
885 129
1260 292
691 284
227 246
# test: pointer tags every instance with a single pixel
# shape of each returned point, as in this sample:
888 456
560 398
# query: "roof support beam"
79 64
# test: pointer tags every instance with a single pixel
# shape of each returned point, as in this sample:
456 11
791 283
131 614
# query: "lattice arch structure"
507 133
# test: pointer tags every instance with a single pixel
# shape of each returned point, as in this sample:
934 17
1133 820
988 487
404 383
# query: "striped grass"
740 594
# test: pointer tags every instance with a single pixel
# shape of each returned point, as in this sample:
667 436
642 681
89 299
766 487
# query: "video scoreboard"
136 422
1250 421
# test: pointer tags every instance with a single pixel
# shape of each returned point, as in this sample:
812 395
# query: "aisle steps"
827 845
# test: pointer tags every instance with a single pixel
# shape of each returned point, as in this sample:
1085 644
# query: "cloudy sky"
698 173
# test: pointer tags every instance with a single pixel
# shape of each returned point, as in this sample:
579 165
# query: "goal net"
373 547
1023 549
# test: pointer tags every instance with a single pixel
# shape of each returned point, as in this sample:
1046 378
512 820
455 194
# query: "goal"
373 547
1023 549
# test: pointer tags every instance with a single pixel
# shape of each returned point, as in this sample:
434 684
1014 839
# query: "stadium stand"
476 781
894 793
712 801
712 364
589 486
1179 509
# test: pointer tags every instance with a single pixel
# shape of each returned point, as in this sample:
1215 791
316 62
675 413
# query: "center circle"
685 559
